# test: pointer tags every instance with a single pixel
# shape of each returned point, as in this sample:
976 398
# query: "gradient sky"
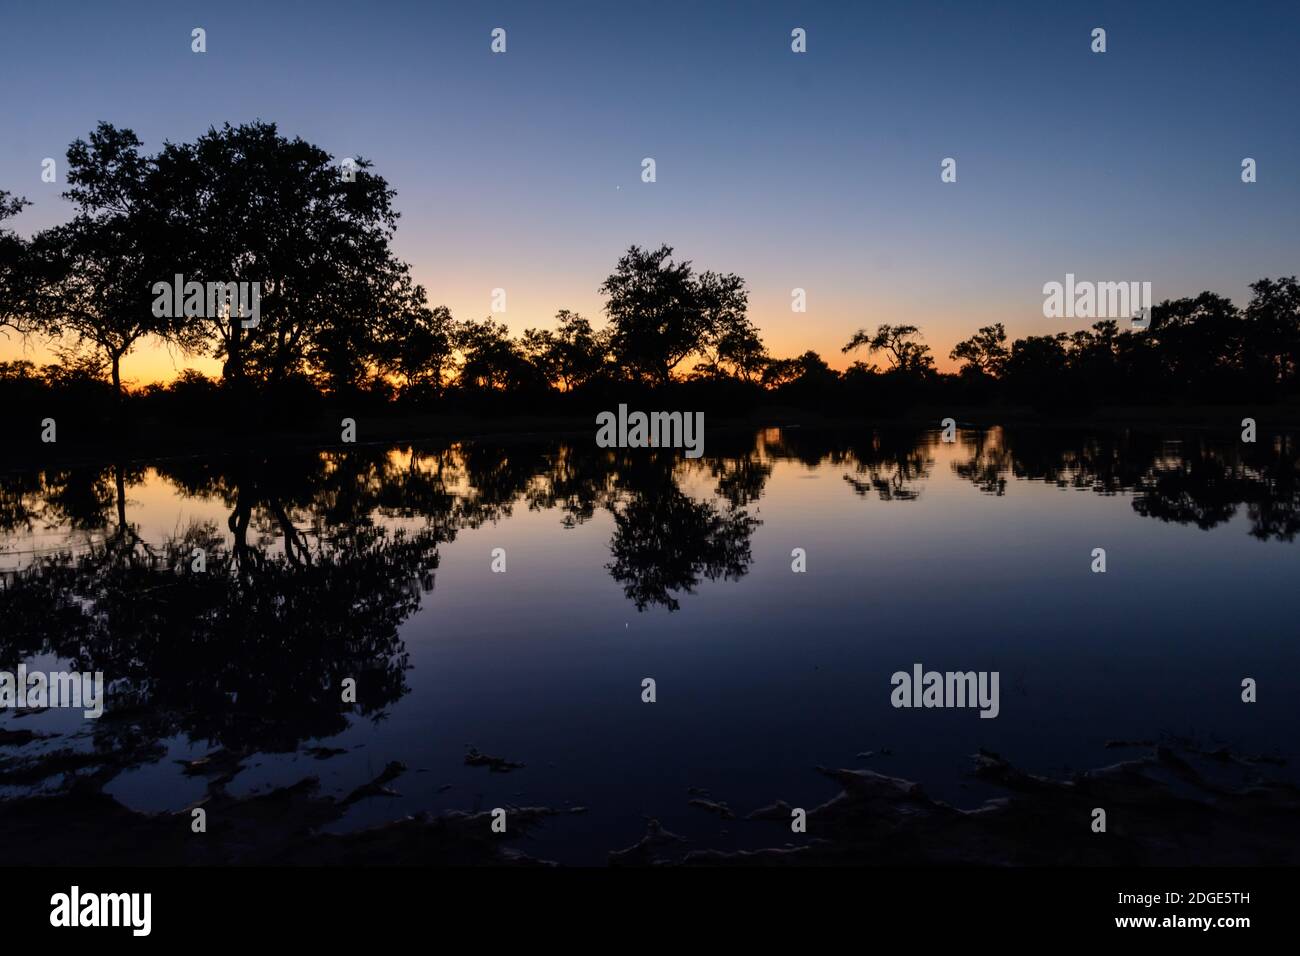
818 170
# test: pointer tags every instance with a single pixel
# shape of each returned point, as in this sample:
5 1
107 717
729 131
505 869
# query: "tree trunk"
120 483
118 417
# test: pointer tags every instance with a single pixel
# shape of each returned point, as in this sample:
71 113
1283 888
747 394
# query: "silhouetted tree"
15 310
662 313
1037 366
985 351
734 349
1273 326
571 355
809 367
415 343
1201 342
492 359
249 205
98 269
900 345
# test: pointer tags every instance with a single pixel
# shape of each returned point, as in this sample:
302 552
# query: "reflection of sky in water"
763 678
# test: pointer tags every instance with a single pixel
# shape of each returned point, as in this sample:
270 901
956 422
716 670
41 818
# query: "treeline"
342 323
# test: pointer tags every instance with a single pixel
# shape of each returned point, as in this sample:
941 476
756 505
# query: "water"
376 564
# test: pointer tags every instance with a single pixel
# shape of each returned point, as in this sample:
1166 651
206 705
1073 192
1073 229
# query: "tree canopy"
340 314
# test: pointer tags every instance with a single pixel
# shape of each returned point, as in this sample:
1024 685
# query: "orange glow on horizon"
154 362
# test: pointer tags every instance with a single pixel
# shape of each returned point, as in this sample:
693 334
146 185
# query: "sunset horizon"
796 172
860 438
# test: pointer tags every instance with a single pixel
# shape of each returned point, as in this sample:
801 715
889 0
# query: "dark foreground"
1172 806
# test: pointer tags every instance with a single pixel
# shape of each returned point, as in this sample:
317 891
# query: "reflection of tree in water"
497 478
249 652
323 556
1104 463
1200 489
1193 479
740 480
254 649
665 541
1207 482
890 464
308 579
78 499
989 461
577 483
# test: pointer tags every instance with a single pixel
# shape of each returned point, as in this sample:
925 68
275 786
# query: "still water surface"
376 564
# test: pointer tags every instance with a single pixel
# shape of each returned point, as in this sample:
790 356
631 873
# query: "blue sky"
816 170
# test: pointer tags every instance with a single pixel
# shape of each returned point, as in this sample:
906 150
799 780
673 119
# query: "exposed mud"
1165 809
1177 805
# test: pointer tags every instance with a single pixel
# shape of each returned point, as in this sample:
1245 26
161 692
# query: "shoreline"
1175 805
148 440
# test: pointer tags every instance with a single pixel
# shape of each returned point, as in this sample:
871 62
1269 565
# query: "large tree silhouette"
97 270
661 312
247 204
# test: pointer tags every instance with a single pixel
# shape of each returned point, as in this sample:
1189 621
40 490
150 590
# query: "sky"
818 170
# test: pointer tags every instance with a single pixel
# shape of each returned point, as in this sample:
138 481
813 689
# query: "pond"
507 602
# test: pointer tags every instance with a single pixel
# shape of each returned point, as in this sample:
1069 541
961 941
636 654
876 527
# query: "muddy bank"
283 827
1173 806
